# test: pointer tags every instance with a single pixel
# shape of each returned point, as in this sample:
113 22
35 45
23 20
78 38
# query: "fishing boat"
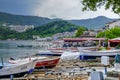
47 63
17 70
92 53
56 51
50 53
42 62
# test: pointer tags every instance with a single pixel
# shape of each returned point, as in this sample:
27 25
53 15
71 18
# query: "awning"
115 40
82 39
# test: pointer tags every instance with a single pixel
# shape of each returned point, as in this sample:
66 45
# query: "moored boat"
92 53
17 70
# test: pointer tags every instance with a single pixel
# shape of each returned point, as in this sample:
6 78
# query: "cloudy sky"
65 9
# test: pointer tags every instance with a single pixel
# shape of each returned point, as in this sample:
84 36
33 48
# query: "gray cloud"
67 9
20 6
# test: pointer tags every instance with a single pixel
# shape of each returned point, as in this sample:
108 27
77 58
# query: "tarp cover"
67 55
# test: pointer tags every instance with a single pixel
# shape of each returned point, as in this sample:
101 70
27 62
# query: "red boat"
42 63
47 63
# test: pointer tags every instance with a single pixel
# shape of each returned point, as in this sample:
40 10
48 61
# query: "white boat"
27 59
93 53
50 53
100 53
42 62
17 70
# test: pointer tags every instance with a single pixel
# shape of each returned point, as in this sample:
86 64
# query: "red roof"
82 39
114 41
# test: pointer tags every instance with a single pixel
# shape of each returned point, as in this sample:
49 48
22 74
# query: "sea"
19 48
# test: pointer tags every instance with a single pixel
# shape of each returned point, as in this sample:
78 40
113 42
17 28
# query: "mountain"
45 30
23 20
52 28
93 23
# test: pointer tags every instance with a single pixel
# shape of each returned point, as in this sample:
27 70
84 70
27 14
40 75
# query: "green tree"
110 33
80 31
93 5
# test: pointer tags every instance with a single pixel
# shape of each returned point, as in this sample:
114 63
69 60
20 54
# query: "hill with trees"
23 20
6 33
53 28
93 23
110 33
46 30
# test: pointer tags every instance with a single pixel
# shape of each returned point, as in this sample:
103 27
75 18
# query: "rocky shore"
68 70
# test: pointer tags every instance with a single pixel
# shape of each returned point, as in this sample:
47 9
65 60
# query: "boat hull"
54 54
17 70
14 75
50 53
42 62
50 63
87 54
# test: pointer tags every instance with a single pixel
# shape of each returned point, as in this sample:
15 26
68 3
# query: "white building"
113 24
38 38
64 34
21 28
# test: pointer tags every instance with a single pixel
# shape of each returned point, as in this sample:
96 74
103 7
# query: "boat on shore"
47 63
56 51
102 53
50 53
92 53
17 70
42 62
95 52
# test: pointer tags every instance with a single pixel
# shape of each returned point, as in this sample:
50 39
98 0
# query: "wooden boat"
42 62
47 63
101 52
92 53
50 53
56 51
17 70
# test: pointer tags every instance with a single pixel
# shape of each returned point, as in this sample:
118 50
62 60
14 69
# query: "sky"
64 9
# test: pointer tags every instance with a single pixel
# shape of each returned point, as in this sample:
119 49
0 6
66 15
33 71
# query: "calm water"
10 49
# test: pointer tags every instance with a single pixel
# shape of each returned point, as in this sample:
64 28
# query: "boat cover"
67 55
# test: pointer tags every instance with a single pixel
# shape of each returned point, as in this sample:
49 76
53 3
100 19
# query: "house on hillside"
89 33
21 28
112 24
64 34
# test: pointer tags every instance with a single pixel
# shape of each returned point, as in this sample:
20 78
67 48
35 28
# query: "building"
64 34
21 28
112 24
38 38
89 33
84 42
